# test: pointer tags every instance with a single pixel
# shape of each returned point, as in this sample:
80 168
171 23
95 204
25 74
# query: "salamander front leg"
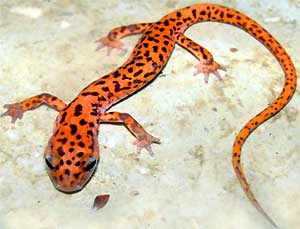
143 139
207 64
16 110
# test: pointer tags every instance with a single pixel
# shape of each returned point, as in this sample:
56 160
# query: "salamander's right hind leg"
207 64
113 39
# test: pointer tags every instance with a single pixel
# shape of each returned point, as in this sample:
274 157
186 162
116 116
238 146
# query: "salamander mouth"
69 190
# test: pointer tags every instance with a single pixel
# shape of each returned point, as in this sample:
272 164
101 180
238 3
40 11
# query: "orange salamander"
72 152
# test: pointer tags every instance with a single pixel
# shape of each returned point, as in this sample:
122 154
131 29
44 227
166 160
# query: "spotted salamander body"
72 152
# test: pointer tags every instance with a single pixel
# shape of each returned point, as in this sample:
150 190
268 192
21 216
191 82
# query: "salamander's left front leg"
207 64
143 139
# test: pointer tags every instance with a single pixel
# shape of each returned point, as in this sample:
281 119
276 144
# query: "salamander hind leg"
143 138
113 39
16 110
207 64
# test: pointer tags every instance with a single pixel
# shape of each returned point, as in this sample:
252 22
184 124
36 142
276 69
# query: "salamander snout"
70 175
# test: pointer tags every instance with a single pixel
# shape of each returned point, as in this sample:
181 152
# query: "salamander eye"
48 163
91 164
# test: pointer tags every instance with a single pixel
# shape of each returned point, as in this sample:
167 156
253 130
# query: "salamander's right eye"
48 163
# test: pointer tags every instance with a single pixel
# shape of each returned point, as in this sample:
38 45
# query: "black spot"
137 81
67 172
116 74
76 175
94 93
222 14
63 117
123 29
154 65
101 82
78 137
78 110
105 89
94 113
82 122
130 70
110 94
81 144
73 129
229 15
161 57
148 74
194 13
80 154
132 28
62 140
203 13
68 162
60 151
118 86
102 98
85 93
137 73
90 133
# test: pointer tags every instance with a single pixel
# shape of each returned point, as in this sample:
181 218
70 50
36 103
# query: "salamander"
72 152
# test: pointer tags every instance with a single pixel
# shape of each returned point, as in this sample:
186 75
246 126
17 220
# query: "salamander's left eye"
91 164
48 163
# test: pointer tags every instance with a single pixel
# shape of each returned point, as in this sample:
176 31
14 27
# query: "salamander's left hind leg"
207 64
113 39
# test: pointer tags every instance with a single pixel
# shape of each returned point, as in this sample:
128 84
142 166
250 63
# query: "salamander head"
72 153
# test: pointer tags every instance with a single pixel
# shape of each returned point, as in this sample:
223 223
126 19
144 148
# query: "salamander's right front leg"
143 139
16 110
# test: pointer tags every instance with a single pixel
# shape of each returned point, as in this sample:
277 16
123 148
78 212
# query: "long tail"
210 12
